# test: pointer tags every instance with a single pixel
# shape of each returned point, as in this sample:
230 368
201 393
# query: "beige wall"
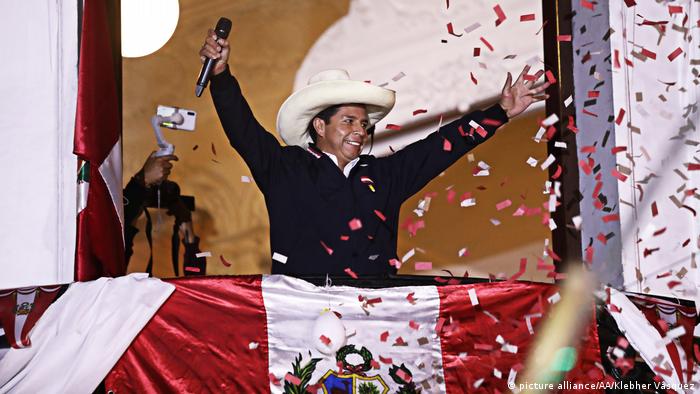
269 40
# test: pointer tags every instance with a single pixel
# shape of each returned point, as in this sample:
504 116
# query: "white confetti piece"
468 202
398 76
408 255
463 251
560 144
532 161
245 179
203 254
495 222
577 222
552 205
545 164
497 373
472 297
540 133
568 101
279 258
470 157
472 27
552 224
551 119
554 298
253 345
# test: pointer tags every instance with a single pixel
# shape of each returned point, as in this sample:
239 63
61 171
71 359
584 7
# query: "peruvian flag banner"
284 335
21 308
100 240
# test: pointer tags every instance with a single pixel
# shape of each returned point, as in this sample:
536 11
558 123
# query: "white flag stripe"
293 305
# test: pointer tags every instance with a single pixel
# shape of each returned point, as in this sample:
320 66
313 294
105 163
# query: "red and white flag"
21 308
279 334
100 240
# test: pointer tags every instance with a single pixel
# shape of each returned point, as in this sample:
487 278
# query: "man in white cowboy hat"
333 210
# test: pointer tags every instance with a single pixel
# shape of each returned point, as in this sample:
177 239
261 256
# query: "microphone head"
223 27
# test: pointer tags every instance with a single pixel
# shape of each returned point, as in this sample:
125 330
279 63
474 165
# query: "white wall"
660 132
38 88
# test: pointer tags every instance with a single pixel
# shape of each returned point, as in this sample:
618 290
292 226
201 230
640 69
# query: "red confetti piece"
274 380
558 172
553 255
693 167
473 78
400 342
419 111
488 44
527 17
223 261
355 224
383 336
602 238
350 272
616 59
410 298
585 167
483 346
630 3
386 360
663 371
564 37
213 149
328 250
617 174
477 52
192 269
588 149
654 209
588 4
648 53
446 145
326 341
292 379
550 77
593 94
393 127
611 218
344 237
618 149
450 30
403 375
372 301
521 271
675 9
674 54
529 77
375 364
380 215
491 122
620 116
500 14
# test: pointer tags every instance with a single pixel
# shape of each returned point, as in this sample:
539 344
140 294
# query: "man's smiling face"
345 134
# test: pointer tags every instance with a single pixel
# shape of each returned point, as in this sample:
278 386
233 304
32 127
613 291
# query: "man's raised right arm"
259 148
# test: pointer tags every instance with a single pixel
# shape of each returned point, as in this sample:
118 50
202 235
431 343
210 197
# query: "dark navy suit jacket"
310 202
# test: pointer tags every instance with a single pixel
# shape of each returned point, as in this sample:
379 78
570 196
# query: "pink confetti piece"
674 54
224 261
380 215
419 111
292 379
503 205
328 250
423 266
410 298
500 14
550 77
193 269
413 325
446 145
404 376
326 341
488 44
564 37
451 31
355 224
527 17
350 272
274 380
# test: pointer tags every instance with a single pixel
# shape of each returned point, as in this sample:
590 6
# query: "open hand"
215 49
517 97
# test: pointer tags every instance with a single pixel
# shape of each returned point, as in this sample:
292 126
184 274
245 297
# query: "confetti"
394 127
414 325
463 252
351 273
280 258
488 44
292 379
545 164
500 14
355 224
503 205
446 145
386 360
550 77
419 111
383 336
203 254
423 266
326 341
253 345
472 297
532 162
564 37
476 52
451 31
620 116
245 179
527 17
408 255
380 215
674 54
398 76
473 78
472 27
224 261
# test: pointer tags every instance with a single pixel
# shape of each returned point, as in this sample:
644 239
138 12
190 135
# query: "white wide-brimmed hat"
325 89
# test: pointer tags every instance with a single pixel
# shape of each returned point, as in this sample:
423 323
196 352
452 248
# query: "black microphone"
223 27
